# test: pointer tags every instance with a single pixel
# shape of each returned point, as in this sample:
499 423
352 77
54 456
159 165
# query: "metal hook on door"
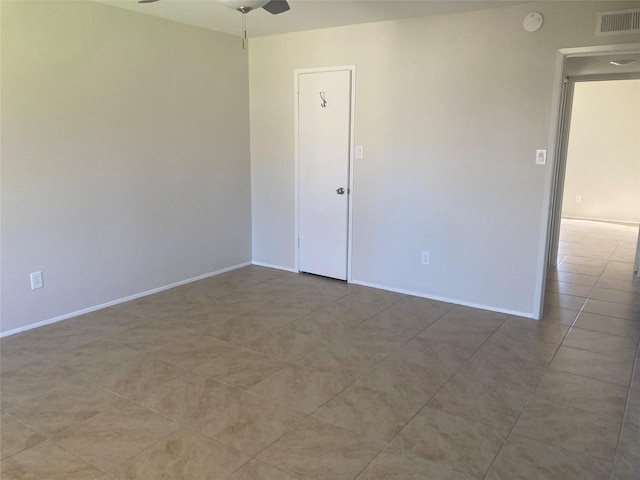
324 100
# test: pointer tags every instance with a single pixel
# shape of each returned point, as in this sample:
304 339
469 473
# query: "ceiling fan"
245 6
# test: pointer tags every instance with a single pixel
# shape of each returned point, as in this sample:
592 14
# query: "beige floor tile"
525 459
247 328
625 283
462 336
247 422
580 279
114 434
568 288
94 358
462 444
615 296
16 436
424 306
287 343
543 331
255 470
53 411
474 317
134 378
309 300
316 450
188 397
506 372
148 336
627 464
47 461
191 351
344 360
352 308
369 412
563 316
620 310
610 325
399 321
521 349
384 298
184 454
31 380
241 368
570 428
303 389
391 465
583 393
412 382
433 355
622 347
563 301
324 325
581 269
593 365
480 400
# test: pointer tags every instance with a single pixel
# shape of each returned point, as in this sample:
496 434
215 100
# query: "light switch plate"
541 157
359 151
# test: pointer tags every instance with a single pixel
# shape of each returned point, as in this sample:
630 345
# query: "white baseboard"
603 220
120 300
276 267
445 299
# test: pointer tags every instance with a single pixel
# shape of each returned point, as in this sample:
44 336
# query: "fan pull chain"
244 31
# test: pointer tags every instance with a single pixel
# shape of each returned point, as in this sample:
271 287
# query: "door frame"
558 138
296 83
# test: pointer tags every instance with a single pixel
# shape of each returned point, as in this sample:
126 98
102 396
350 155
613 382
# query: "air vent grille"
618 22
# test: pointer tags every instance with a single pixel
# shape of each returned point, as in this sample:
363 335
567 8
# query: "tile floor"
263 374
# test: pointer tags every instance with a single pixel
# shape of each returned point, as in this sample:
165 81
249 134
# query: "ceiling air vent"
618 22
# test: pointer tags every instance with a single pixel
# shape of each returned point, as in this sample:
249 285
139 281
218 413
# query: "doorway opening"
570 273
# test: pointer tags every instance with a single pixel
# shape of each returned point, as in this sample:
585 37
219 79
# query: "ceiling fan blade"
276 6
147 1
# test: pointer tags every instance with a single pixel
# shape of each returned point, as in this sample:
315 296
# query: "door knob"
340 191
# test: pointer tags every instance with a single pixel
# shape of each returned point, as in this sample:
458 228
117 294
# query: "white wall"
125 156
450 111
603 157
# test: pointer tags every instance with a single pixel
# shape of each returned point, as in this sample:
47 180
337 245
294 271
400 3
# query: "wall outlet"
578 198
36 280
426 258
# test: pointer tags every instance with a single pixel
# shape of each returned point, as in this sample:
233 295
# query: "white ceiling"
304 14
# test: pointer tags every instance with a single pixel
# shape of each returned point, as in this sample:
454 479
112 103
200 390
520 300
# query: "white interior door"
324 131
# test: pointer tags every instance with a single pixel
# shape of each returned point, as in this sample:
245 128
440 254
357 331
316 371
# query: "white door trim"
554 148
296 83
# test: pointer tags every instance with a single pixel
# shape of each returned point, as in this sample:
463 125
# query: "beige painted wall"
125 156
450 111
603 157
